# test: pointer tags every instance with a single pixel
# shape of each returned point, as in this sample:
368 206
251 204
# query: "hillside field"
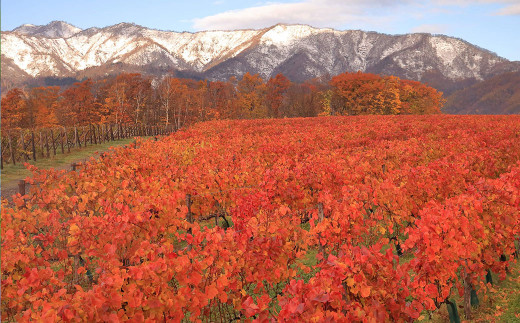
366 218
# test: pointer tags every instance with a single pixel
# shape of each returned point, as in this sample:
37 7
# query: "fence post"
33 146
21 187
73 166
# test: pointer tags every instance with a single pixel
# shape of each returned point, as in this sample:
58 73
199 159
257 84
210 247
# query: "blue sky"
491 24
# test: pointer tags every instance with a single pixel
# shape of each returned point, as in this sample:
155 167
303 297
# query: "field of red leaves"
370 218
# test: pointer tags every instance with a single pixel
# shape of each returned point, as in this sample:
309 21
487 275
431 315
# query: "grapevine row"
342 219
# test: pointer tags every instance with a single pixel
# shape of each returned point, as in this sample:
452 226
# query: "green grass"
12 173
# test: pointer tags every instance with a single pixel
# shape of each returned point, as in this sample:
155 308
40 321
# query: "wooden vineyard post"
21 190
73 166
33 146
189 215
21 187
11 148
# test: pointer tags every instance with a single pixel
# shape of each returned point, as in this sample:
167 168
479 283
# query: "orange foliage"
365 93
44 102
132 236
135 98
13 110
79 106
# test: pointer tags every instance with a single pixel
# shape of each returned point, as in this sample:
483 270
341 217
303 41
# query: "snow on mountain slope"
55 29
299 51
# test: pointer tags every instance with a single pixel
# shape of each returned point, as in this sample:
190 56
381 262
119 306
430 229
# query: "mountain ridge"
301 52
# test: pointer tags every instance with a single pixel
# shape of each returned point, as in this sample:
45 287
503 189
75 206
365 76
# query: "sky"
490 24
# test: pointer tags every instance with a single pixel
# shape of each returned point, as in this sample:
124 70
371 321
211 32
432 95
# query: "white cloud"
511 10
318 13
470 2
431 28
511 7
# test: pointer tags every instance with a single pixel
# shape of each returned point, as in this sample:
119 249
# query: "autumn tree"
13 109
304 100
276 88
250 90
221 100
78 105
168 88
418 98
365 93
117 101
356 93
129 96
43 104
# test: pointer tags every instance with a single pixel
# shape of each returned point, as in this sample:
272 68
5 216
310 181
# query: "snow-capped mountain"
55 29
299 51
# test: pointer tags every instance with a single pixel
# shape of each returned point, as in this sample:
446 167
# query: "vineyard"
21 145
369 218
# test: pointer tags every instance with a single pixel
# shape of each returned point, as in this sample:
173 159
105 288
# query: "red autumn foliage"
312 215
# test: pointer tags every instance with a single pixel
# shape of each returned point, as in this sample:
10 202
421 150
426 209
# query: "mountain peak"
300 52
54 29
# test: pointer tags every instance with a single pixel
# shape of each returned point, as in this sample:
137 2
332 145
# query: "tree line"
138 99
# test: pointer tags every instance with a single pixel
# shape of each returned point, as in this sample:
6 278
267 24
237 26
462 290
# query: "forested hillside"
498 95
137 99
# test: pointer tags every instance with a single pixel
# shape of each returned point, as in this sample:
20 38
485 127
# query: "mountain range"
300 52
